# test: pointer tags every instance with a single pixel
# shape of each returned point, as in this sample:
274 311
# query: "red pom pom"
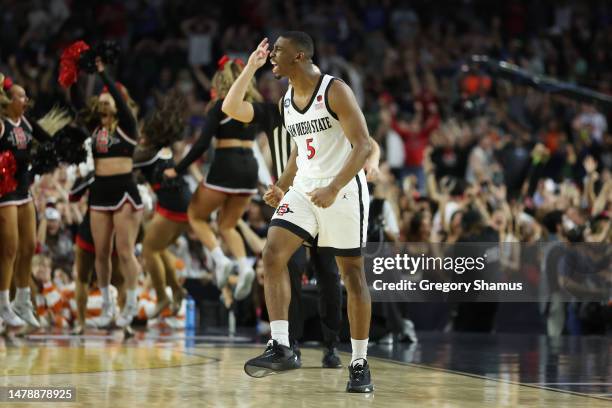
67 74
69 68
8 167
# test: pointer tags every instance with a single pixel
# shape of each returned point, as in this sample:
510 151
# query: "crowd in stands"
463 151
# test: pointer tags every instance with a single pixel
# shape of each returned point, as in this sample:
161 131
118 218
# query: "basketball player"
322 191
266 115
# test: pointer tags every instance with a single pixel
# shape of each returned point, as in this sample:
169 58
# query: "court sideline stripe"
570 383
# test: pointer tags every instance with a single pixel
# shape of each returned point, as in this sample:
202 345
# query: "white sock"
280 331
4 298
360 349
106 298
23 295
218 256
243 265
130 297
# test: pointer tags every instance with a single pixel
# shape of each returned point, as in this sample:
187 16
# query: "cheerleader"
17 212
84 260
170 220
114 201
230 183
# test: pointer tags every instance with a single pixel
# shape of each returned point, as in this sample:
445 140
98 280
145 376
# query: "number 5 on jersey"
311 149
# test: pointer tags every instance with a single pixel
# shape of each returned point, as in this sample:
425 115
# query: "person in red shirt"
415 132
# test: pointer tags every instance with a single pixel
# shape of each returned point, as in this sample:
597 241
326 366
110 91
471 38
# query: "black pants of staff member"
330 295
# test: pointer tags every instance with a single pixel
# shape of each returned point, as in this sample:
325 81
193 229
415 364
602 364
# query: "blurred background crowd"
464 154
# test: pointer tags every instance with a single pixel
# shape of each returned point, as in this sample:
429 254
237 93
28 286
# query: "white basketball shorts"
340 229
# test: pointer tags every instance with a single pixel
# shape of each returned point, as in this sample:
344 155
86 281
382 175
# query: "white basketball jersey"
322 146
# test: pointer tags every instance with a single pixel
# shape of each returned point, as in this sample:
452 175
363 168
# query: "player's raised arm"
234 104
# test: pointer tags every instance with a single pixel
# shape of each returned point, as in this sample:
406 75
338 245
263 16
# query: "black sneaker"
331 359
296 349
359 377
275 359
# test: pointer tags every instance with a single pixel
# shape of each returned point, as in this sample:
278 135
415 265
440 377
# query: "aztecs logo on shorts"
283 209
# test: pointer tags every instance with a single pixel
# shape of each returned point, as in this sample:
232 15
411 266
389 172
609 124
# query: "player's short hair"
302 41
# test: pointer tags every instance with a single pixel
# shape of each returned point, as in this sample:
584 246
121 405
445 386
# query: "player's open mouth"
274 66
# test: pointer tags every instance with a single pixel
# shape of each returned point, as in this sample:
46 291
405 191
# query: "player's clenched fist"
273 195
323 197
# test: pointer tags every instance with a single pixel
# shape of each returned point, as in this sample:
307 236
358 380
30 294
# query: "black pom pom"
44 158
69 145
108 51
76 133
87 61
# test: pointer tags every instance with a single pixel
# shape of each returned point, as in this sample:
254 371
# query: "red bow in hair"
225 59
69 63
222 61
7 83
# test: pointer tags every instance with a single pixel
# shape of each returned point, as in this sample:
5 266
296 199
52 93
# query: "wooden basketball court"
179 372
